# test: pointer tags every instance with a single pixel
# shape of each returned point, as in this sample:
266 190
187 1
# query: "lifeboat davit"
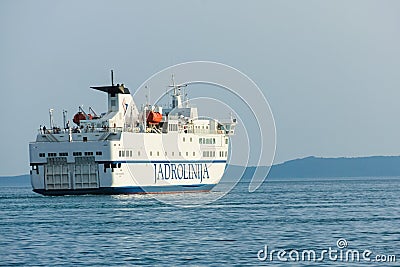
154 117
80 116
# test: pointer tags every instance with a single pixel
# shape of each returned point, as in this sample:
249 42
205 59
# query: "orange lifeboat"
154 117
78 117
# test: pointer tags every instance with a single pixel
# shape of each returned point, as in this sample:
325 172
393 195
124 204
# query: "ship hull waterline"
129 190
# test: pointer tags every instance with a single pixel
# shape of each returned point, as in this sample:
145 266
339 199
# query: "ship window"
226 153
187 154
130 153
191 139
138 153
200 141
183 139
120 153
194 153
213 140
213 153
123 153
173 127
88 153
99 153
63 154
42 155
151 153
226 141
51 154
173 153
158 153
113 103
165 153
119 165
127 153
84 139
180 153
76 154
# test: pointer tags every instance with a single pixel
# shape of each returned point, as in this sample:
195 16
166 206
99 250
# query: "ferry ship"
126 150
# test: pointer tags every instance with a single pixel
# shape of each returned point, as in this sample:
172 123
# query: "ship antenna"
176 97
65 118
147 95
112 77
173 85
51 118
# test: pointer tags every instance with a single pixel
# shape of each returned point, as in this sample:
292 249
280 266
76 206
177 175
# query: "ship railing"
80 130
55 130
98 130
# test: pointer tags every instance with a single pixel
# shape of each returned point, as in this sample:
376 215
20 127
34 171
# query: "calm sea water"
140 230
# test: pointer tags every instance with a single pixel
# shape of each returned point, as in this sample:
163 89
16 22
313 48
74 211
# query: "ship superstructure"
126 150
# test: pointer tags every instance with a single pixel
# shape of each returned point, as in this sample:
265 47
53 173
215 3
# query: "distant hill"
337 167
314 167
310 167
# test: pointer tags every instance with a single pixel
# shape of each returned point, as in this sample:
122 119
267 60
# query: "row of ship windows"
206 141
174 127
208 154
129 153
65 154
200 127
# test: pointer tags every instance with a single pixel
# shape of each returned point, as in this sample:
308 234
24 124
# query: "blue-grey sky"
329 69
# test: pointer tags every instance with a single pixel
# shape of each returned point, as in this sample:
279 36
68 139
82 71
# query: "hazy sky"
329 69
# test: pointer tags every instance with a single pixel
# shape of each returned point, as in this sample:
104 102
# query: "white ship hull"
150 163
